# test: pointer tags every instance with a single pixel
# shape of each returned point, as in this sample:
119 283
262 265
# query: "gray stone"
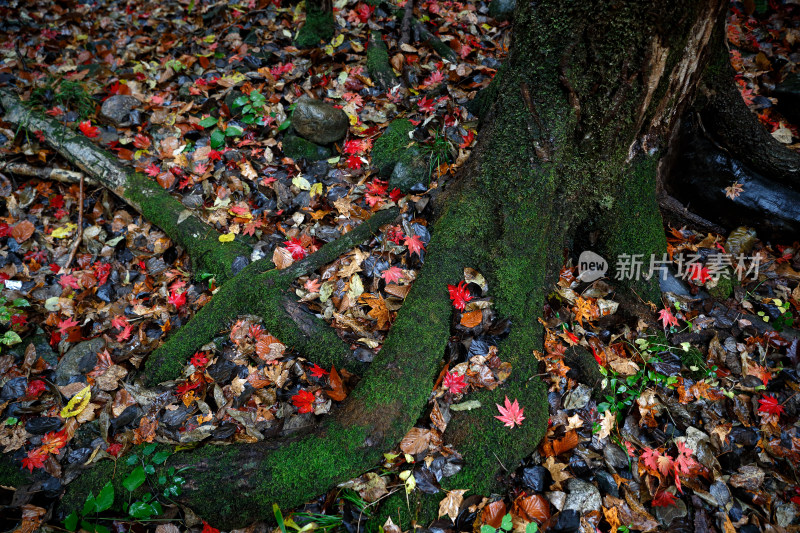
318 121
785 514
117 109
583 496
606 483
412 169
578 397
78 360
502 10
666 515
615 456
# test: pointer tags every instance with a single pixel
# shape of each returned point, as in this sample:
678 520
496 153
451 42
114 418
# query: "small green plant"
506 526
142 509
65 94
784 320
325 522
252 106
7 311
438 151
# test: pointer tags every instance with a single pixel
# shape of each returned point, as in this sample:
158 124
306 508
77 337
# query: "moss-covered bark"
569 143
319 25
378 65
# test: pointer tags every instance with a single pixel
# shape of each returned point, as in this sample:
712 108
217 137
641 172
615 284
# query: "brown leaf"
556 472
472 318
146 431
378 310
451 504
22 231
565 443
337 392
282 258
391 527
493 514
532 508
269 348
31 518
437 418
416 441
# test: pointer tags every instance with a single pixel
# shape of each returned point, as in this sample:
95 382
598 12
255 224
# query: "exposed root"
56 174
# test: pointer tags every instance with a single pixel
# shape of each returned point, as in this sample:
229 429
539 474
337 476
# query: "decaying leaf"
451 503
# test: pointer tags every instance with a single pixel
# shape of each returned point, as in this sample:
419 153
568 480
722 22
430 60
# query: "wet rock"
117 109
536 478
222 371
42 425
582 497
128 416
79 360
177 417
578 397
412 170
666 515
298 148
14 388
318 121
578 466
568 522
744 436
615 456
502 10
606 483
674 285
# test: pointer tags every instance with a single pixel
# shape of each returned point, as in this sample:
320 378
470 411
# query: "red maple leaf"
64 325
392 274
68 281
667 318
114 449
426 104
415 244
303 400
295 247
770 405
454 383
199 360
125 334
35 388
54 441
208 529
663 499
317 371
177 299
354 162
459 294
684 461
511 414
119 322
88 130
152 170
35 459
468 138
141 141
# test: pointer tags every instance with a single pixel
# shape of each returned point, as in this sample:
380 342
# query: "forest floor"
694 426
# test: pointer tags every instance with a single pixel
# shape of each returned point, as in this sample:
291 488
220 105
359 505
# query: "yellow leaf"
228 237
78 403
316 189
60 233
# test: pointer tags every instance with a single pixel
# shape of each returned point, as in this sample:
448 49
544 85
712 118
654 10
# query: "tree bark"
570 145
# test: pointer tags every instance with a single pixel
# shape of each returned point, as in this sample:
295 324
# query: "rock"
117 109
130 415
744 436
412 169
43 424
318 121
672 284
298 148
615 456
502 10
785 514
222 371
578 466
720 492
578 397
667 514
177 417
583 496
606 483
80 359
568 521
536 478
557 498
788 93
391 145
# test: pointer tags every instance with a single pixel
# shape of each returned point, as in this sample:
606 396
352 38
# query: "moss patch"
319 27
378 65
391 146
298 148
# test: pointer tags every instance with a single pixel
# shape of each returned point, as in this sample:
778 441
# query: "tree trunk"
569 147
319 25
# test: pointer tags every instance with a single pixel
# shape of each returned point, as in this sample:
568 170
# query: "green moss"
724 287
298 148
389 148
378 65
319 26
11 474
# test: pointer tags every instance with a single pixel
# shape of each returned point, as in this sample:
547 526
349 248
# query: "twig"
57 174
20 57
79 236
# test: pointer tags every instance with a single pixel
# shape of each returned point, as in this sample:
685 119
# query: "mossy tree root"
262 290
319 25
200 240
378 65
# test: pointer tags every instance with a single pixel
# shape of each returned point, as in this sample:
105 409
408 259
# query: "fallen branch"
45 173
79 235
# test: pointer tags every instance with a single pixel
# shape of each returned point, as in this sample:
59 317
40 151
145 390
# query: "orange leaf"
493 514
472 318
22 231
337 392
416 441
532 508
565 443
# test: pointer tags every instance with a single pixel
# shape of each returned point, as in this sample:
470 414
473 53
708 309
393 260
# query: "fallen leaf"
78 403
416 441
451 503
